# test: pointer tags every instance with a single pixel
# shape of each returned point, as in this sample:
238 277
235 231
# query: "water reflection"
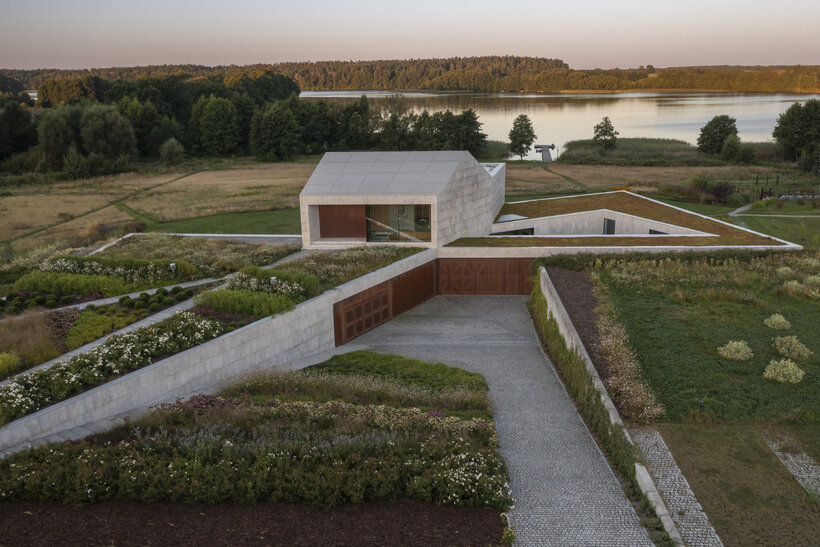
565 117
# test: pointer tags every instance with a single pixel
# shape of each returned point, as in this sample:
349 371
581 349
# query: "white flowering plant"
29 392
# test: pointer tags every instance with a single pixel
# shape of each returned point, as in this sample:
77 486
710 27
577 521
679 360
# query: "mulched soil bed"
576 292
121 523
224 316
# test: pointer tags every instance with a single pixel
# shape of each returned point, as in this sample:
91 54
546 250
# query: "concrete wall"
469 203
556 309
267 343
592 223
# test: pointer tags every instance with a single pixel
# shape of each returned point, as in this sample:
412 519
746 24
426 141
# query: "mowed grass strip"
747 493
803 231
282 221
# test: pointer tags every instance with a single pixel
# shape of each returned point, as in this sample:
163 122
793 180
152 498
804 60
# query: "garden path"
564 490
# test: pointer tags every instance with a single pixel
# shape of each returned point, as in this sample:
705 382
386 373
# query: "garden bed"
358 429
35 338
212 257
122 523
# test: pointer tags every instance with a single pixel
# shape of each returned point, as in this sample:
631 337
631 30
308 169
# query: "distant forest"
480 74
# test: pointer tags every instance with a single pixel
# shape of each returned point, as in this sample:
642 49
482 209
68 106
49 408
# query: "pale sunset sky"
584 33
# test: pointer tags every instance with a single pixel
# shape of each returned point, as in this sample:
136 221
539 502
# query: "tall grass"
29 338
637 152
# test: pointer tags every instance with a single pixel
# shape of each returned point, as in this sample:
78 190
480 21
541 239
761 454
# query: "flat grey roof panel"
359 168
364 157
349 178
450 155
425 157
386 167
336 157
448 167
378 178
393 157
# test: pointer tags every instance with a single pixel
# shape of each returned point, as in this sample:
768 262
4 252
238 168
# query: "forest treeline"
484 74
85 126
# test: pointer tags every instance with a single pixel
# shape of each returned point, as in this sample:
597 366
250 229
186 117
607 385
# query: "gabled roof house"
421 199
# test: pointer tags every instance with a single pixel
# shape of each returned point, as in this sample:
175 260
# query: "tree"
171 152
521 136
798 130
275 133
105 131
714 134
57 131
17 132
731 148
605 135
215 125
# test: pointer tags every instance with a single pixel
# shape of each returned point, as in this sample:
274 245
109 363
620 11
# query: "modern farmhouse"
451 202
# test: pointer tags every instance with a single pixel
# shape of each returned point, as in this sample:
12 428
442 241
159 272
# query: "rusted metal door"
484 275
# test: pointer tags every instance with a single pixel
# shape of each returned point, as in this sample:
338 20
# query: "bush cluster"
297 286
92 325
777 322
736 350
784 370
18 302
246 303
29 392
72 284
791 348
130 270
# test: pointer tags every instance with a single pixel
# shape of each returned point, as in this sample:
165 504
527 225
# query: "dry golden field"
257 188
33 215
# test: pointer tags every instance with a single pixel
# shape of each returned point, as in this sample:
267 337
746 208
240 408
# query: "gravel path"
565 491
799 464
684 508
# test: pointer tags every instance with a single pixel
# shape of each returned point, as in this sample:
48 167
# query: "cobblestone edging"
799 464
573 341
686 511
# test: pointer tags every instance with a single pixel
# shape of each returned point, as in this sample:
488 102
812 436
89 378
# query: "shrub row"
243 302
92 325
130 269
15 303
27 393
298 286
67 284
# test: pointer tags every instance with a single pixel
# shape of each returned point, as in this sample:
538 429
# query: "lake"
566 117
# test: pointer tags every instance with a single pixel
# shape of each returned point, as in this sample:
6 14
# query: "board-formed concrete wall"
267 343
469 203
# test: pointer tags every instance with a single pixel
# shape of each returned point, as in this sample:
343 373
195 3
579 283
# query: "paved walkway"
565 492
684 508
789 451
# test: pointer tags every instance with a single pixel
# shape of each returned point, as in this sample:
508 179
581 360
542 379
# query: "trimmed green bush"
784 370
168 301
90 326
791 348
736 350
9 363
65 284
254 304
154 307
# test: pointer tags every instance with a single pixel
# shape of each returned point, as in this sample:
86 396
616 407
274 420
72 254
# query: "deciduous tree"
522 135
714 134
605 135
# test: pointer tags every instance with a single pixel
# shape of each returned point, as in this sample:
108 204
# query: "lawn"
803 231
749 496
678 312
276 437
773 206
700 208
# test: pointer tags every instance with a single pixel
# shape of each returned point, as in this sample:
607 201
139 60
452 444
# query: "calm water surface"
565 117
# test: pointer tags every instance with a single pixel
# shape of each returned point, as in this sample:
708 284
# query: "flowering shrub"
360 388
736 350
296 286
777 322
130 270
792 348
784 370
27 393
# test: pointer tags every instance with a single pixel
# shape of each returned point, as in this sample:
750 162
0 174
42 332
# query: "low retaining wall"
573 341
269 342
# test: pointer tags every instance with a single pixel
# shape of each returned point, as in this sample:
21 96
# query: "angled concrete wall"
267 343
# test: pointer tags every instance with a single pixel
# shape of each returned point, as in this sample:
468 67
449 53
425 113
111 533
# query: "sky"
584 33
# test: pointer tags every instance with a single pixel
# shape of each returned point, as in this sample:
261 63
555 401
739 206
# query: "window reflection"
398 222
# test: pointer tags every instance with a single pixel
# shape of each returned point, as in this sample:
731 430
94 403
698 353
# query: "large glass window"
398 222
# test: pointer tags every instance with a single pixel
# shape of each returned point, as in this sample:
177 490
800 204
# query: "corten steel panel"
414 287
456 276
484 275
345 221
